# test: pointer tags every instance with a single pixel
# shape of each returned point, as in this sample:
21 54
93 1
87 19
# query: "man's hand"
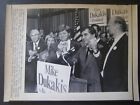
32 53
93 45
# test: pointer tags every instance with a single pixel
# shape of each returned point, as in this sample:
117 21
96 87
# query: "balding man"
33 48
115 67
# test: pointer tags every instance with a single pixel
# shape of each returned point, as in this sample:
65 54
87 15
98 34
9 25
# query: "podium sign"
52 78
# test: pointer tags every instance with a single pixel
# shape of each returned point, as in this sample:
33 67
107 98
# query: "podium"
77 84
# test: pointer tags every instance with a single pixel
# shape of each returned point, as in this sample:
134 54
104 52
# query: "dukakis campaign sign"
52 78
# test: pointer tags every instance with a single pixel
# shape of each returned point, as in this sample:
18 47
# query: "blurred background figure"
97 31
103 46
41 31
49 54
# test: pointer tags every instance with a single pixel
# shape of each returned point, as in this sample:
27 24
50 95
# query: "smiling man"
33 48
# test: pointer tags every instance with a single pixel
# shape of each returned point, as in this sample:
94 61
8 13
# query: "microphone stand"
73 69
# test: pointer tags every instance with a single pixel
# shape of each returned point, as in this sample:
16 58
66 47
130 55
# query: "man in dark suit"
33 48
86 64
115 67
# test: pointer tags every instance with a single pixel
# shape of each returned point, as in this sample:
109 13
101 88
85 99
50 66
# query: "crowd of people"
101 58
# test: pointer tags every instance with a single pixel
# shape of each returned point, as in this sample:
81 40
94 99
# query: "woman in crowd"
49 54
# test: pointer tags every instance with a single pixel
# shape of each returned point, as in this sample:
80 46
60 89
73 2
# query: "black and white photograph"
72 50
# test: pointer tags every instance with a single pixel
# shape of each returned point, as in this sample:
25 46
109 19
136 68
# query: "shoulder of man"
123 41
28 43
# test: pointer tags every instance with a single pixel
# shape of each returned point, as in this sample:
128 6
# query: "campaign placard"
52 78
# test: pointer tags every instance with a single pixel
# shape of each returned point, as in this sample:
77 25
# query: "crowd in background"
105 40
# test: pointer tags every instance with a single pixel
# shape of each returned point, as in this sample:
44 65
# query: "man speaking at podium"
86 66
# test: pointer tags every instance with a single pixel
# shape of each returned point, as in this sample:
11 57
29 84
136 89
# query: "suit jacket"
87 68
115 76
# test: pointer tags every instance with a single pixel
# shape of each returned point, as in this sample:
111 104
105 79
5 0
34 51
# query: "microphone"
71 50
74 62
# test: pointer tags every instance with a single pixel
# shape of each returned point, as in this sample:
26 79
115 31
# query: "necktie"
87 54
88 51
36 47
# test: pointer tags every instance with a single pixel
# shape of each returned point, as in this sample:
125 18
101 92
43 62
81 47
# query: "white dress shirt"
35 44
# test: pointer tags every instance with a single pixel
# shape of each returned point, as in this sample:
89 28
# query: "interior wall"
52 23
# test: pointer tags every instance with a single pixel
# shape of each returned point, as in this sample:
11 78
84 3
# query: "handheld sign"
52 78
98 16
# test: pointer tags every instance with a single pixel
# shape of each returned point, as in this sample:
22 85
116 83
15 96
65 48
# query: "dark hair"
119 20
103 33
98 27
91 30
64 27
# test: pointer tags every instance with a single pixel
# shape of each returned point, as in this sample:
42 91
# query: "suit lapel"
86 56
31 45
89 58
40 45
